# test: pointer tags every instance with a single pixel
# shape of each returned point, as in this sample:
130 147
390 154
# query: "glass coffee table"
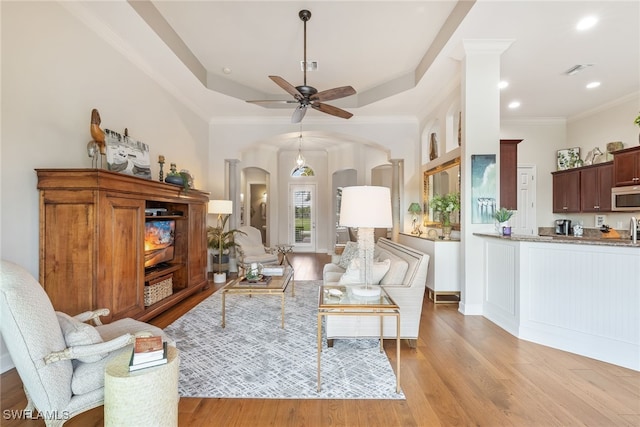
277 285
338 300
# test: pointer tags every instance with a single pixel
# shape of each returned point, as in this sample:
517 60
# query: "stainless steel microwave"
625 198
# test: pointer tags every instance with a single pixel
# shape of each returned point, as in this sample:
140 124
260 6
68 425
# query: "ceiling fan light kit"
308 96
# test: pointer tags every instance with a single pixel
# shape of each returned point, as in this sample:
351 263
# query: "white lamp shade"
366 206
220 207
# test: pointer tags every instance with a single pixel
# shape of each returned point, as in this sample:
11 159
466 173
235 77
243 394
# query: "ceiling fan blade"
298 114
291 89
330 109
335 93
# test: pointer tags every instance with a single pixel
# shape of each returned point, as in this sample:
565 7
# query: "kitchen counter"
578 294
564 239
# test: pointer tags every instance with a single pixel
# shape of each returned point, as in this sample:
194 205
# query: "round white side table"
147 397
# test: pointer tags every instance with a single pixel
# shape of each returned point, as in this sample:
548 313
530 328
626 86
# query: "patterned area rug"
253 357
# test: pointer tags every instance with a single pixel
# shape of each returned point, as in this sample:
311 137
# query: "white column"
396 179
480 135
233 194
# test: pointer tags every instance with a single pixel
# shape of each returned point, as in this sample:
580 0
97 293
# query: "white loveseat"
404 282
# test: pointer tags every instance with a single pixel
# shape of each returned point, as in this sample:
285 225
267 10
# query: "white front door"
302 222
524 221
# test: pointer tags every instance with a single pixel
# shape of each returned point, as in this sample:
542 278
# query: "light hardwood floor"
465 371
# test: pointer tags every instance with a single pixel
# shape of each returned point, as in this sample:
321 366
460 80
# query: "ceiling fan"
308 96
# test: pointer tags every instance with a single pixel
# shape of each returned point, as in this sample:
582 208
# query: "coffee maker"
563 226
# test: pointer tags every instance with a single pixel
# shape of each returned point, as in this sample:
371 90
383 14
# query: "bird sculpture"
96 133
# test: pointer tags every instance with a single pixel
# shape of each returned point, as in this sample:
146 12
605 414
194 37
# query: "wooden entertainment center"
92 226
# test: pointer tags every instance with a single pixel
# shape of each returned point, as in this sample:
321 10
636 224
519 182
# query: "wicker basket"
158 289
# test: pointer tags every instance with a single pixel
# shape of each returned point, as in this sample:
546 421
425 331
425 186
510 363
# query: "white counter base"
584 299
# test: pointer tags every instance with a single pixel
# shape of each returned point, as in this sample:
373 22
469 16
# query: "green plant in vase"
502 217
444 206
221 241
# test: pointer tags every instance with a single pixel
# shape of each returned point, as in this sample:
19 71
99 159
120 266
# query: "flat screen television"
159 242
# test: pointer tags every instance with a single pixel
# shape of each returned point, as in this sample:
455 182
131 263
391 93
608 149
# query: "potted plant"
220 241
637 123
444 206
182 178
502 216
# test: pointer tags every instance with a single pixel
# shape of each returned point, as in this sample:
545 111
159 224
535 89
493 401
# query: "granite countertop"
586 240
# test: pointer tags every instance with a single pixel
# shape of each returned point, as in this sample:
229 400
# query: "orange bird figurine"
96 133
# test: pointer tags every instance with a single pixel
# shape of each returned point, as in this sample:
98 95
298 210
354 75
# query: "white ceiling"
378 48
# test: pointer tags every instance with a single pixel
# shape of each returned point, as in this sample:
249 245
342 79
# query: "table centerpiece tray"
260 280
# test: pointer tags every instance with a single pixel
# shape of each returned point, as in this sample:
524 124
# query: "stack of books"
273 270
148 352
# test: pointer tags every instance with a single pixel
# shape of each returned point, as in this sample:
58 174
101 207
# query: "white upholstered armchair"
60 359
251 247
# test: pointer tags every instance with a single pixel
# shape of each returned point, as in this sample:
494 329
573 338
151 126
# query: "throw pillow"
349 253
77 333
397 271
352 275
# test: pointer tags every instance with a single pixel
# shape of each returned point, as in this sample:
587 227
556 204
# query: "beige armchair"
251 247
59 358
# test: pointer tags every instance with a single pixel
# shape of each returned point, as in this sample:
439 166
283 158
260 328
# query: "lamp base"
366 291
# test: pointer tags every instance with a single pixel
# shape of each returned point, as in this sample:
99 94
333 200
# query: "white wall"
363 144
613 122
54 72
543 137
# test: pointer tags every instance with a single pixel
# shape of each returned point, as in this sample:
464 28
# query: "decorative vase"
446 232
174 179
500 227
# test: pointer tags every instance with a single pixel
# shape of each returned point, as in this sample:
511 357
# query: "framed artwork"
600 220
127 155
483 188
567 158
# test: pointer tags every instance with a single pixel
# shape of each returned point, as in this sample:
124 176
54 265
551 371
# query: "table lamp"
415 209
366 207
220 207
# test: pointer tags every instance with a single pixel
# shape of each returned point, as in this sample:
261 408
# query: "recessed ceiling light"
593 85
503 84
586 23
514 104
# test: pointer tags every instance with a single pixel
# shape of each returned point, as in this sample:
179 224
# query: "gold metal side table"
337 300
284 249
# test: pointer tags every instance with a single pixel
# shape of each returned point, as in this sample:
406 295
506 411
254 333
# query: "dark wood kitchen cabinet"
626 167
509 173
595 187
566 191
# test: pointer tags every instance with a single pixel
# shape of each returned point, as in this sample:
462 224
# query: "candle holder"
161 163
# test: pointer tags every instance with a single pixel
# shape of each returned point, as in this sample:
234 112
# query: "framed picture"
567 158
126 155
600 220
483 188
